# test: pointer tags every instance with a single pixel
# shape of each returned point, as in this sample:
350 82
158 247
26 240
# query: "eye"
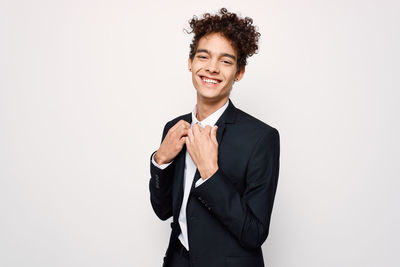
201 57
227 62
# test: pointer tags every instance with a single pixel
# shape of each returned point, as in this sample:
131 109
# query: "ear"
239 74
189 64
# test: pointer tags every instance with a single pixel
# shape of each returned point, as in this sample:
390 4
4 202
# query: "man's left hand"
202 146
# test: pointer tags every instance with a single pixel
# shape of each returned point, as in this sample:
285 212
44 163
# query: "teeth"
209 81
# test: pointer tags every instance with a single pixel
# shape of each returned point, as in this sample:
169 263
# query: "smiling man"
216 170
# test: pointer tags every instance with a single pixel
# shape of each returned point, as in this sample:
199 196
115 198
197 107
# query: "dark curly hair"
240 31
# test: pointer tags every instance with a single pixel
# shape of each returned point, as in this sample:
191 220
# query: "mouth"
209 81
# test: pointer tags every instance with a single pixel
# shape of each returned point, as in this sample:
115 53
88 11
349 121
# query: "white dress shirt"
190 170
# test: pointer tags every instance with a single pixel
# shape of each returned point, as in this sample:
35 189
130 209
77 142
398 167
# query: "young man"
216 170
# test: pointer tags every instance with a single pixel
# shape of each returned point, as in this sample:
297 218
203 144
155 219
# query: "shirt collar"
211 119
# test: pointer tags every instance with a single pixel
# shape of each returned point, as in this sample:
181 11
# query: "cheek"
230 78
194 78
196 65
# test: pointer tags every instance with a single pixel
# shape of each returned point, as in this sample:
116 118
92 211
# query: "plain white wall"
85 90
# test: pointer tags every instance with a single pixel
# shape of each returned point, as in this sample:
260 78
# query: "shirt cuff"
162 166
201 181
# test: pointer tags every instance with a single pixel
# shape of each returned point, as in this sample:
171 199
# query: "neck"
207 107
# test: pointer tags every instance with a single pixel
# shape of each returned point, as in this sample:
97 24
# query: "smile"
210 81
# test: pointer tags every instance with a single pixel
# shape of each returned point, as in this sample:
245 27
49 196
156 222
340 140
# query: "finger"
195 129
190 135
214 134
182 132
185 124
176 125
188 144
182 141
207 130
180 124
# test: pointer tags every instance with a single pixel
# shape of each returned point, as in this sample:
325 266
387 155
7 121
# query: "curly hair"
240 31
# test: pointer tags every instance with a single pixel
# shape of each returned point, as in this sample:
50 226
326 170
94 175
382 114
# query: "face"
214 68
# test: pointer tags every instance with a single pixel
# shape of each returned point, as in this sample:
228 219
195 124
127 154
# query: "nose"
212 66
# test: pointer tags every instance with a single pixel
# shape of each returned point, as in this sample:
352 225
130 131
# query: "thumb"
214 134
182 141
186 141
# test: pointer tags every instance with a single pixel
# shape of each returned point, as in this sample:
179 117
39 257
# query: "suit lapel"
220 131
180 168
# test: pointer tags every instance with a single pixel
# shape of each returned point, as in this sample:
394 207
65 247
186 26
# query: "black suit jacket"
228 216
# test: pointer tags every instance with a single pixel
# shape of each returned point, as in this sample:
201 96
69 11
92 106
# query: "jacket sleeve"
246 216
161 186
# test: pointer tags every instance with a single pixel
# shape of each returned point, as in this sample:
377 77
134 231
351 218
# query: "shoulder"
256 134
252 124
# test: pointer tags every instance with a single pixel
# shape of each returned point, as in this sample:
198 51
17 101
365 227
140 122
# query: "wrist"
207 172
159 159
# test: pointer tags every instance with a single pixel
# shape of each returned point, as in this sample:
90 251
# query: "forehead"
216 43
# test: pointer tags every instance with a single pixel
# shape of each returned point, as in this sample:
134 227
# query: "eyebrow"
222 55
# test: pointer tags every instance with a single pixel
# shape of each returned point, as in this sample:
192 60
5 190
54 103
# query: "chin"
207 92
208 96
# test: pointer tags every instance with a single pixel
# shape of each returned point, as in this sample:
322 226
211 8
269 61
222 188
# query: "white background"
87 86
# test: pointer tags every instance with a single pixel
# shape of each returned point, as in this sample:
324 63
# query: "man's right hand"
173 142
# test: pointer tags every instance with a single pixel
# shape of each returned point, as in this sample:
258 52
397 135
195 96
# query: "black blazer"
228 216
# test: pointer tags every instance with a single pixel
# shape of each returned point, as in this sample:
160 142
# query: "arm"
162 166
172 142
246 216
160 186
